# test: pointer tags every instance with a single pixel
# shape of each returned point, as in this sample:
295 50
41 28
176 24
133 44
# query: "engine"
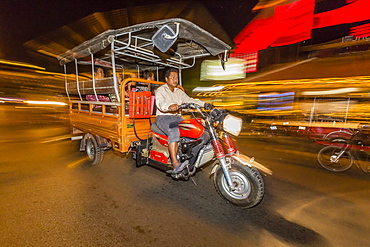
188 148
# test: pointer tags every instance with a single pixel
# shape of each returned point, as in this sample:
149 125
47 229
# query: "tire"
338 140
247 181
93 151
363 159
269 136
327 154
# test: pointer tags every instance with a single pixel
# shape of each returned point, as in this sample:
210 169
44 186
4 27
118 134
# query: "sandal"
179 169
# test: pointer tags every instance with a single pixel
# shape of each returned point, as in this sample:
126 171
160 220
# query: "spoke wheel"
328 159
363 159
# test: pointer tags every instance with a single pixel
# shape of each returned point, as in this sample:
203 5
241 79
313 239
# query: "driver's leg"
173 148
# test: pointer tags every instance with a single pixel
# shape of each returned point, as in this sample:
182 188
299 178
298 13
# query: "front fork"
220 154
225 169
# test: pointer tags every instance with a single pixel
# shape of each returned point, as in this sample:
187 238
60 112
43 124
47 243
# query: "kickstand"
192 179
128 153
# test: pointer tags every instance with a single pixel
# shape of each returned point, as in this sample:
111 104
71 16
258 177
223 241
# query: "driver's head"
172 77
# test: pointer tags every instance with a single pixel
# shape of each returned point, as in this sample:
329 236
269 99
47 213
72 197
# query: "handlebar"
207 106
189 106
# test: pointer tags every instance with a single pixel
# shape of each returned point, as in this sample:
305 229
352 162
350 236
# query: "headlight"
233 125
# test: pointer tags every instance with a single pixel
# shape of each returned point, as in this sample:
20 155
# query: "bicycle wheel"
328 159
362 156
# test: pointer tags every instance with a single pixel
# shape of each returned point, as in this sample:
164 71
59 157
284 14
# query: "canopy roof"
134 44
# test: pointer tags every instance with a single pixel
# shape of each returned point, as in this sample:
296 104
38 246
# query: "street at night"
52 196
94 152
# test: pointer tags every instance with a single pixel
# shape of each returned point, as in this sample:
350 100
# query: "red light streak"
293 22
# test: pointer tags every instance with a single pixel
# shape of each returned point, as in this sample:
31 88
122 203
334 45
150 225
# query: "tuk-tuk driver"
168 99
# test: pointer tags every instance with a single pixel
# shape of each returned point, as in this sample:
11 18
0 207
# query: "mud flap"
102 142
138 156
141 154
83 145
83 142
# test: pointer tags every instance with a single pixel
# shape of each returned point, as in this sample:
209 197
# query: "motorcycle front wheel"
328 159
248 184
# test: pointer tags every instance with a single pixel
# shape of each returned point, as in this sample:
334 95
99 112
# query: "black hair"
169 70
147 74
97 67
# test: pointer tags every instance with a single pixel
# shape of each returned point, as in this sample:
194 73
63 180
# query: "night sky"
24 20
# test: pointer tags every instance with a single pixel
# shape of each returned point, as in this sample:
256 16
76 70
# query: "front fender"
248 161
244 160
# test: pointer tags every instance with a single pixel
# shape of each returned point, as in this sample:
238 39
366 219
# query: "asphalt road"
51 196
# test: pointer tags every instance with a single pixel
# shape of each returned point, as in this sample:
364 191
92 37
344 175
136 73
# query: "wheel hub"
241 185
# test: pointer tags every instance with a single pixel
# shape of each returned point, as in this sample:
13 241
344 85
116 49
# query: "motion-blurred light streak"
76 163
21 64
39 102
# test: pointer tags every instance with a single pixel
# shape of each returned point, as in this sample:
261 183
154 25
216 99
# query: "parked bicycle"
339 157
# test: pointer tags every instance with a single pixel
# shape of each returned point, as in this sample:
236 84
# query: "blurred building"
18 79
283 29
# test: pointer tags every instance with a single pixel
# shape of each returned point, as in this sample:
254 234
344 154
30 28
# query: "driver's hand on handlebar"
208 106
173 107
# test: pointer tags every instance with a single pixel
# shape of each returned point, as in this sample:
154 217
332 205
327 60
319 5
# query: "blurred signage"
211 70
352 38
285 22
361 32
275 101
250 59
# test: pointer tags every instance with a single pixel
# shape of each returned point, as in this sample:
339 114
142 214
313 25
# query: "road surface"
51 196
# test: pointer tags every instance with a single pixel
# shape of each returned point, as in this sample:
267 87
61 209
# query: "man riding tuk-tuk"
111 105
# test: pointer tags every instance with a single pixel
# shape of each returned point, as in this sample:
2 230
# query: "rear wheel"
328 159
93 151
363 159
269 135
248 184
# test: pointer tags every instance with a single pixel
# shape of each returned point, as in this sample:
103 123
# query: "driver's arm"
162 102
187 99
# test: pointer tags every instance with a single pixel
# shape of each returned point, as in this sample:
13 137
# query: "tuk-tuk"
98 108
106 113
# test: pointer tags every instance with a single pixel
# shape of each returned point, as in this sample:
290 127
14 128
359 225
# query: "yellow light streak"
69 76
76 163
227 103
39 102
265 4
15 63
47 53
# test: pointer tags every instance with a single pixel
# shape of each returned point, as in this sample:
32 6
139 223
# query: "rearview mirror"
164 38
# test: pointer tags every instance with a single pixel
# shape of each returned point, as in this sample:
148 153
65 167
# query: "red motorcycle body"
191 128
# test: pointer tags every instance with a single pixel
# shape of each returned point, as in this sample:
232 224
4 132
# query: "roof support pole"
113 60
77 82
65 80
93 75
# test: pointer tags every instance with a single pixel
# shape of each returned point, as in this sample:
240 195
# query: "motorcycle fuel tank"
191 128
